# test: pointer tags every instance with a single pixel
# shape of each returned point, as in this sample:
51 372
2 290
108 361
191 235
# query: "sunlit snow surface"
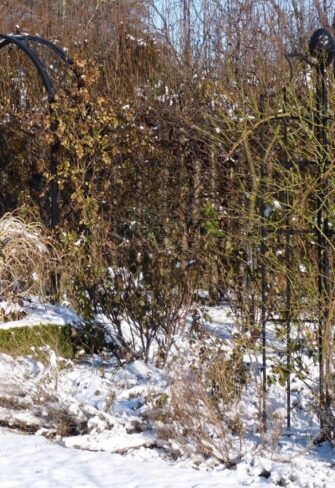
34 462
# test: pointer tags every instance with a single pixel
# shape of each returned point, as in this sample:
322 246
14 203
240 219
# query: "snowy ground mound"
36 313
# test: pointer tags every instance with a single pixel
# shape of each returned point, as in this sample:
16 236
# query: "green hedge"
19 341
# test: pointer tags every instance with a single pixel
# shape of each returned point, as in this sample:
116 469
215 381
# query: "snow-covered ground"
34 462
102 419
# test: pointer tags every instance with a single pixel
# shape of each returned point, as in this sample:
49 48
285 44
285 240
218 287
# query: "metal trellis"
322 49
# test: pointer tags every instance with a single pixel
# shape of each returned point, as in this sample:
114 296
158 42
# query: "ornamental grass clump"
26 255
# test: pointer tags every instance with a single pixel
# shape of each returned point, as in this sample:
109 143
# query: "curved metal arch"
7 39
22 42
26 38
39 40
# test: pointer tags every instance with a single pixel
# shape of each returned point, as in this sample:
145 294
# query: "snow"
34 462
40 314
119 443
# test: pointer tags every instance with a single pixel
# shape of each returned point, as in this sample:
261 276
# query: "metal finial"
322 47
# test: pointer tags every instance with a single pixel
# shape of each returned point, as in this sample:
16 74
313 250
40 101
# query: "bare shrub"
201 416
148 299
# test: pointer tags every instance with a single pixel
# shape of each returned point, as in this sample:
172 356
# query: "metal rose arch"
28 44
321 56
